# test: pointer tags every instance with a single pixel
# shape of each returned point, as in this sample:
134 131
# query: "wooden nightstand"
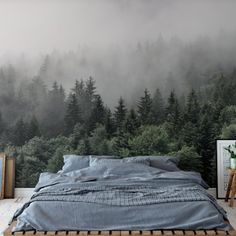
231 189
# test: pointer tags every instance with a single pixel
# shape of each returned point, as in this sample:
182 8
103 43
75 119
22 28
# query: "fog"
126 45
33 26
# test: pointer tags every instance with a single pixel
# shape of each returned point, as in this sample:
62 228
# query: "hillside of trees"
79 122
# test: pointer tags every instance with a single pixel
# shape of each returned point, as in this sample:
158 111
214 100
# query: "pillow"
167 163
111 162
104 157
74 162
94 161
138 161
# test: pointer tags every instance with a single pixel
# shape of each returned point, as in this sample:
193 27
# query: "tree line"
80 123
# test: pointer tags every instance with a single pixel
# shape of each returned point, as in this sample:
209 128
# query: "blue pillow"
94 161
75 162
167 163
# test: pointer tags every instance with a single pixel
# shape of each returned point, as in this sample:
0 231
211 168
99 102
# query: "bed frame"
231 232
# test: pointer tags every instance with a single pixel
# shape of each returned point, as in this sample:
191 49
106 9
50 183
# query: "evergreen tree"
157 108
53 111
189 159
120 114
20 133
229 132
87 99
145 108
55 163
131 123
84 147
37 93
224 89
120 145
79 132
189 132
99 142
151 140
173 115
44 68
206 139
90 89
192 110
228 115
72 116
79 89
109 123
33 128
97 114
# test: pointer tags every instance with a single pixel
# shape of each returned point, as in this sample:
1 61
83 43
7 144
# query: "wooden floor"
9 206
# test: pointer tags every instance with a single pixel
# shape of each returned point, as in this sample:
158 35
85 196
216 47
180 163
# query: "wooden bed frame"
231 232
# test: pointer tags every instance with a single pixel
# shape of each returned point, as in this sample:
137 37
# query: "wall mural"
116 77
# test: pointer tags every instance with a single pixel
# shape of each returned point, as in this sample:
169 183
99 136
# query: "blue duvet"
127 196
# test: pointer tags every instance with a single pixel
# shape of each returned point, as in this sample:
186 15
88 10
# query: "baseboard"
23 192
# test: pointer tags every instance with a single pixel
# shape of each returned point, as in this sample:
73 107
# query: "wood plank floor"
9 206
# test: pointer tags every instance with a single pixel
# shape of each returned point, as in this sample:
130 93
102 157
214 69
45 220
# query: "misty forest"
159 98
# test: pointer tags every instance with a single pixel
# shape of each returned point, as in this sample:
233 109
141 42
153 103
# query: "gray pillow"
75 162
167 163
111 162
104 157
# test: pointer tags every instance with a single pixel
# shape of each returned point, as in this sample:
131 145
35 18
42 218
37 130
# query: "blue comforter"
128 196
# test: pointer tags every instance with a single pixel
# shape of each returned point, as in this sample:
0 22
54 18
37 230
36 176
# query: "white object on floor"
9 206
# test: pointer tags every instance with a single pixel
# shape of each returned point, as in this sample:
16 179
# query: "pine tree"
79 133
192 110
44 68
109 122
20 133
72 116
173 115
120 114
98 111
90 89
33 128
62 93
87 99
131 122
97 114
145 108
79 88
157 108
191 116
206 139
121 144
52 117
84 147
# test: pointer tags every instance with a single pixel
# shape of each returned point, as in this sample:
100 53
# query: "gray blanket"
110 191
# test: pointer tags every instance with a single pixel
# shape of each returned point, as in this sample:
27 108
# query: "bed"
105 195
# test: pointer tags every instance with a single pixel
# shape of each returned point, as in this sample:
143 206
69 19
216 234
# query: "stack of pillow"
76 162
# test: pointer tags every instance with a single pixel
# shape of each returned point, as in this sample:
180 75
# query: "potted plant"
232 150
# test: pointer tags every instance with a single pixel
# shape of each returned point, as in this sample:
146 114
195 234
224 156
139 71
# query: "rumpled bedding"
125 196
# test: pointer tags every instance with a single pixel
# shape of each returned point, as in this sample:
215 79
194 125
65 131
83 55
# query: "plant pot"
233 163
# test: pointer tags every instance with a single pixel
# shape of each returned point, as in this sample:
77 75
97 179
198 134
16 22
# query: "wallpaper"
116 77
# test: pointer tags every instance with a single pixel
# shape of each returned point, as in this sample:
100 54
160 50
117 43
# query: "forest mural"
152 96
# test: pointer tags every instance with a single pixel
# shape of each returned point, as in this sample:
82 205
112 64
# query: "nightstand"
231 189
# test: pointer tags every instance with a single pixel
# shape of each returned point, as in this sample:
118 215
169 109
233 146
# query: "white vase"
233 163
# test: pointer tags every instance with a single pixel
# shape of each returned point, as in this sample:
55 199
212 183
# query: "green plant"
232 150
